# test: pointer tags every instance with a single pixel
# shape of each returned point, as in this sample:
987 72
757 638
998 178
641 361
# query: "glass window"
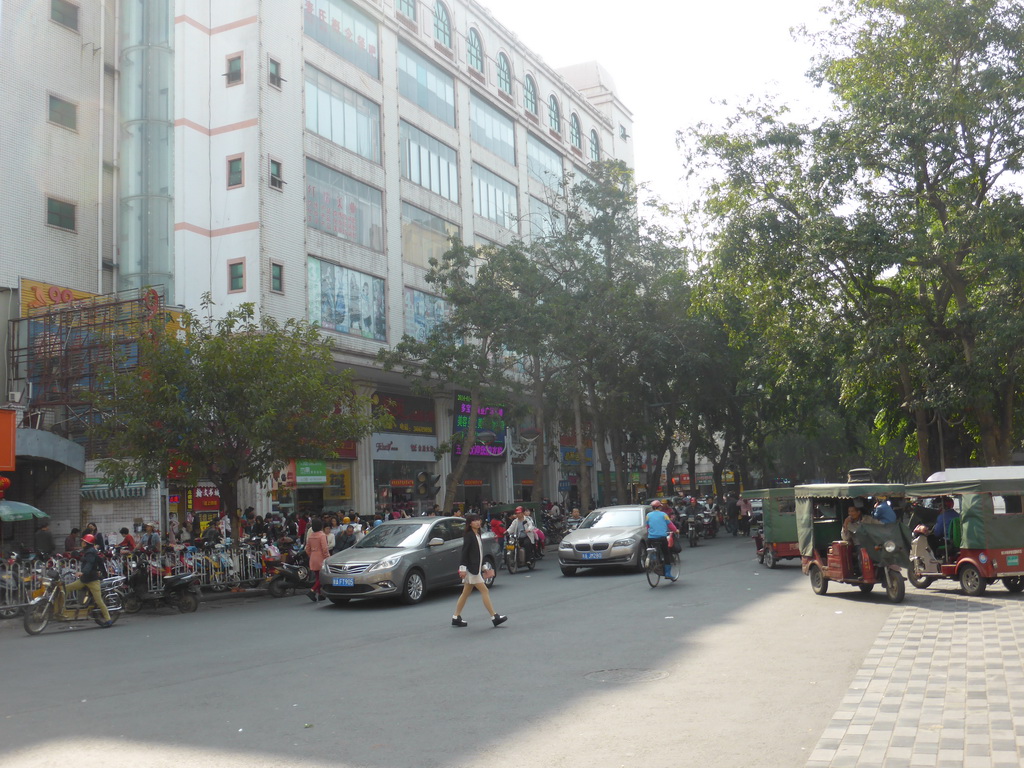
425 84
442 25
234 74
491 129
423 312
543 163
428 162
595 147
60 214
575 133
276 277
63 113
504 74
348 32
554 114
494 198
346 301
276 174
236 276
544 220
424 236
236 171
475 51
530 95
407 8
64 13
344 207
339 114
274 73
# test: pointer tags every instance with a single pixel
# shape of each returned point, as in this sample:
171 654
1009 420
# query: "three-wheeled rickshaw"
877 551
983 544
775 540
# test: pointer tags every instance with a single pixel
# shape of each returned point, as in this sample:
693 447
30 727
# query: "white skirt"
473 578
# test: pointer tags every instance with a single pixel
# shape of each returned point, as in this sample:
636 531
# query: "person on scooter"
523 529
89 577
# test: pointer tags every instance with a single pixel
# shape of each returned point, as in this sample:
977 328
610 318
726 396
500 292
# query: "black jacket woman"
473 575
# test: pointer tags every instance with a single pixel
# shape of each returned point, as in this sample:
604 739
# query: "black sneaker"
457 621
311 595
498 619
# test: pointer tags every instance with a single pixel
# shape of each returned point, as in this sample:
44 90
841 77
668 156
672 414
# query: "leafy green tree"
471 347
881 248
227 400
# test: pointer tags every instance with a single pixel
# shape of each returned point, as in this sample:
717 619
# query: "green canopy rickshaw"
984 543
872 555
777 538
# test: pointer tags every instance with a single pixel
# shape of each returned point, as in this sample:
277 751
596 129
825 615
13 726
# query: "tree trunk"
584 475
540 444
621 468
468 441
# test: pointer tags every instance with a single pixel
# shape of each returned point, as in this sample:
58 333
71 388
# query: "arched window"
475 54
595 148
530 95
575 134
407 8
504 74
442 25
554 114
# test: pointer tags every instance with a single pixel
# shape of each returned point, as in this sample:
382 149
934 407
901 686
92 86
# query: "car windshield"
386 536
613 518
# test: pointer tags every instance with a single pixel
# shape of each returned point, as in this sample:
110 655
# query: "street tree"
472 345
228 399
882 246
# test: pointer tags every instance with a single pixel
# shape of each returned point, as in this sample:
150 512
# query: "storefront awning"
104 492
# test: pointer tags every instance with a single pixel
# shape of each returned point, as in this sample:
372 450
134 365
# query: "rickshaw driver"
938 539
854 520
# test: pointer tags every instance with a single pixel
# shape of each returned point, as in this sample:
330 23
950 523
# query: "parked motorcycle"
516 555
293 574
56 604
146 587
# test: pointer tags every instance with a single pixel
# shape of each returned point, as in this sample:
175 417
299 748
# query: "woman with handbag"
472 573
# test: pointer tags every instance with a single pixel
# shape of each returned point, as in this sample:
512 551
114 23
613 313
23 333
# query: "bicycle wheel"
652 569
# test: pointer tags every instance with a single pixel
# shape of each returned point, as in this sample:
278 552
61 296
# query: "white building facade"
307 157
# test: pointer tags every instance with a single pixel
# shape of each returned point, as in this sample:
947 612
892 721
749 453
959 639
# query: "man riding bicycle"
658 526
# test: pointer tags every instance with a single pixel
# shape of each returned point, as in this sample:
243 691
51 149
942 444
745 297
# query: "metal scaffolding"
60 354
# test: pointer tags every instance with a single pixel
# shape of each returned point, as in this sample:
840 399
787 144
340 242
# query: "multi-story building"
308 157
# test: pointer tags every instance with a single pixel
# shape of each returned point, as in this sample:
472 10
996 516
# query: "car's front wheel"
414 589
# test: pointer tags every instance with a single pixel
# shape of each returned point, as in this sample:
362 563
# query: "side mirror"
437 541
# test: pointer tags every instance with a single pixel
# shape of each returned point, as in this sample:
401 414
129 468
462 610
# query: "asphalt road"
733 665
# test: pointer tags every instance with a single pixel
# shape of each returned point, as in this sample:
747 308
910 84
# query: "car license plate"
340 582
592 555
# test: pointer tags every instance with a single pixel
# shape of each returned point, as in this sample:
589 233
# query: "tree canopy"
228 399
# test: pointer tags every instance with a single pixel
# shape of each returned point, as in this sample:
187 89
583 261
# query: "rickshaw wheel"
895 587
818 581
1014 583
971 582
769 556
865 588
914 577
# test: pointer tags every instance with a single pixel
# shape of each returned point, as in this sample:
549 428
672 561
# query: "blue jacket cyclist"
657 534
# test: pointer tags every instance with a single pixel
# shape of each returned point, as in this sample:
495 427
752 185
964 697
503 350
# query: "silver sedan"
401 558
610 536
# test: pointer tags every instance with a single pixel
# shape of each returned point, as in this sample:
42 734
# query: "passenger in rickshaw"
939 539
855 518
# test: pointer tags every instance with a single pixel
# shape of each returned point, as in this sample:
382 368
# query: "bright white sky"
670 59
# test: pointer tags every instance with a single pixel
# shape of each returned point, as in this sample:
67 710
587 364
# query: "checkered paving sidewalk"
942 687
